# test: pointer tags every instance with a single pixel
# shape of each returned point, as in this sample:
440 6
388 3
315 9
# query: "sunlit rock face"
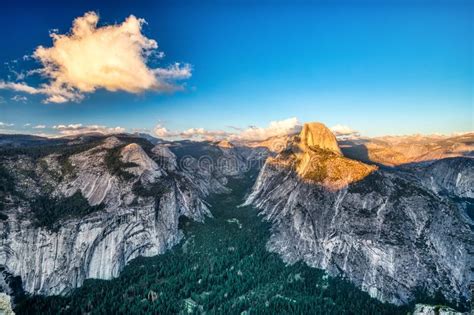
140 212
318 135
388 232
133 153
399 150
315 156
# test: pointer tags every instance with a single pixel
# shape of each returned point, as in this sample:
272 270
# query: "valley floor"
220 267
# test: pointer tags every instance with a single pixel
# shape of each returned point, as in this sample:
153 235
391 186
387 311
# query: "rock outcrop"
318 135
451 176
422 309
140 215
134 154
166 158
386 232
315 156
5 305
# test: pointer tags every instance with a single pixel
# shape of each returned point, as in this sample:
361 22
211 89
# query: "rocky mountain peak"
386 230
139 203
111 142
133 153
225 144
315 156
163 151
316 134
165 156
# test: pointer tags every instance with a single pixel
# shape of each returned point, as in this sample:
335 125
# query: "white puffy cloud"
162 132
39 127
175 72
204 134
342 131
77 129
275 128
91 57
192 133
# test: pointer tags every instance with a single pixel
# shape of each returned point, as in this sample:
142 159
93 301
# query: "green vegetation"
323 154
470 209
317 172
7 186
7 182
219 268
65 149
467 204
40 151
48 211
60 147
196 150
287 154
373 181
153 190
115 165
66 166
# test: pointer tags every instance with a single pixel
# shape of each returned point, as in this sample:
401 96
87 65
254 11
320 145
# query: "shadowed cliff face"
315 156
390 232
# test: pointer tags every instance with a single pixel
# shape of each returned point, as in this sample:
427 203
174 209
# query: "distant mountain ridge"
398 150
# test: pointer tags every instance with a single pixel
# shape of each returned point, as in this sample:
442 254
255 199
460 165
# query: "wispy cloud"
4 125
19 98
174 72
91 57
39 127
19 87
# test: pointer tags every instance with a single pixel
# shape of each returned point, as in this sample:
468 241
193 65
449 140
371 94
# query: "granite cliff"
389 231
83 208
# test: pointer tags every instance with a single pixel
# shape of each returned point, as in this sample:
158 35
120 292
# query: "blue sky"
395 67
